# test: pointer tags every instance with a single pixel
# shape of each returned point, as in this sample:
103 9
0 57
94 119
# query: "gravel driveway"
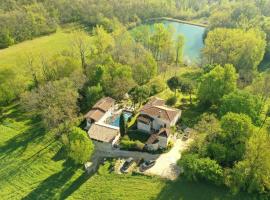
166 165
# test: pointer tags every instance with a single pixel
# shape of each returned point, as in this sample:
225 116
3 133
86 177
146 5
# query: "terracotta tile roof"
95 114
154 101
162 112
102 133
100 108
104 104
152 139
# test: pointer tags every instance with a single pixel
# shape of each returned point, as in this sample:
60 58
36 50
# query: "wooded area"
225 97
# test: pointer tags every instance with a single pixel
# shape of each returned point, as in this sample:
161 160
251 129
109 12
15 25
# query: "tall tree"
179 49
174 84
139 94
122 125
242 102
81 45
252 174
55 102
243 49
217 83
78 146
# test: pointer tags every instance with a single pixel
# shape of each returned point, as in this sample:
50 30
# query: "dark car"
147 165
126 165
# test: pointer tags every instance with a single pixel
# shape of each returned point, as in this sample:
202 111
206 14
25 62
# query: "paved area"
166 165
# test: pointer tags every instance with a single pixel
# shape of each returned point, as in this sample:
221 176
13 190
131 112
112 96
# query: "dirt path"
166 165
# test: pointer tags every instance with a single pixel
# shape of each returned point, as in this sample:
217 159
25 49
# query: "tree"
81 45
122 125
261 86
236 130
93 94
242 102
156 86
145 70
196 168
173 84
252 174
187 87
243 49
139 94
179 49
217 83
117 80
5 39
78 146
103 42
55 102
11 85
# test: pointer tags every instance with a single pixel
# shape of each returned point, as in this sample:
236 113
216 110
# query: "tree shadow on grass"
20 142
76 185
50 187
185 190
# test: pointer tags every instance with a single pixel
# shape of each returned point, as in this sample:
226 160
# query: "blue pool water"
116 122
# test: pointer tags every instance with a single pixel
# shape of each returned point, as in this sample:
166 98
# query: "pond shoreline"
176 20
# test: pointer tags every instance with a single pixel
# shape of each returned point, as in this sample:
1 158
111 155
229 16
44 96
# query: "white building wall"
153 147
175 119
106 115
143 127
163 142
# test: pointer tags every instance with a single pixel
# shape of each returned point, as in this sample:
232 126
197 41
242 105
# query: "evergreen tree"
123 125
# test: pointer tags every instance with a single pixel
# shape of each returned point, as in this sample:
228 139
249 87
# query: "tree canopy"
243 49
78 146
217 83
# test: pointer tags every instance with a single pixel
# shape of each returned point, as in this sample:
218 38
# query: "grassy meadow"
16 56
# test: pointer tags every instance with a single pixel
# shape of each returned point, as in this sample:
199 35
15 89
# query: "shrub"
171 101
105 168
196 168
128 144
156 86
242 102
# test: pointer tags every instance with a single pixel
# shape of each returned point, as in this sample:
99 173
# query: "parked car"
126 165
147 165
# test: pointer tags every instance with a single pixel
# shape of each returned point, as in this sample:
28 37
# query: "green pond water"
193 39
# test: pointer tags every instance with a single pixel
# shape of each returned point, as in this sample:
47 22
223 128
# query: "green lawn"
32 166
15 56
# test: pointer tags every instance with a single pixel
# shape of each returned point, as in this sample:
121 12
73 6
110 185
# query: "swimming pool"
116 122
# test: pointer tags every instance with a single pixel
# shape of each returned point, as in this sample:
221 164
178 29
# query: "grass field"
32 166
15 56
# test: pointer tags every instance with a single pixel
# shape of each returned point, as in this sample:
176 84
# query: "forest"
108 49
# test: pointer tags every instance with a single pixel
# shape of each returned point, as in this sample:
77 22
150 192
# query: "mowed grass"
33 166
16 56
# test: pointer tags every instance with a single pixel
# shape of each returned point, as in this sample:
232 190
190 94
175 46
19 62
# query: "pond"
193 39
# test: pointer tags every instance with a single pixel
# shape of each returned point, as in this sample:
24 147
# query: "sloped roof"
154 101
103 133
156 108
164 132
104 104
95 114
145 119
100 108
